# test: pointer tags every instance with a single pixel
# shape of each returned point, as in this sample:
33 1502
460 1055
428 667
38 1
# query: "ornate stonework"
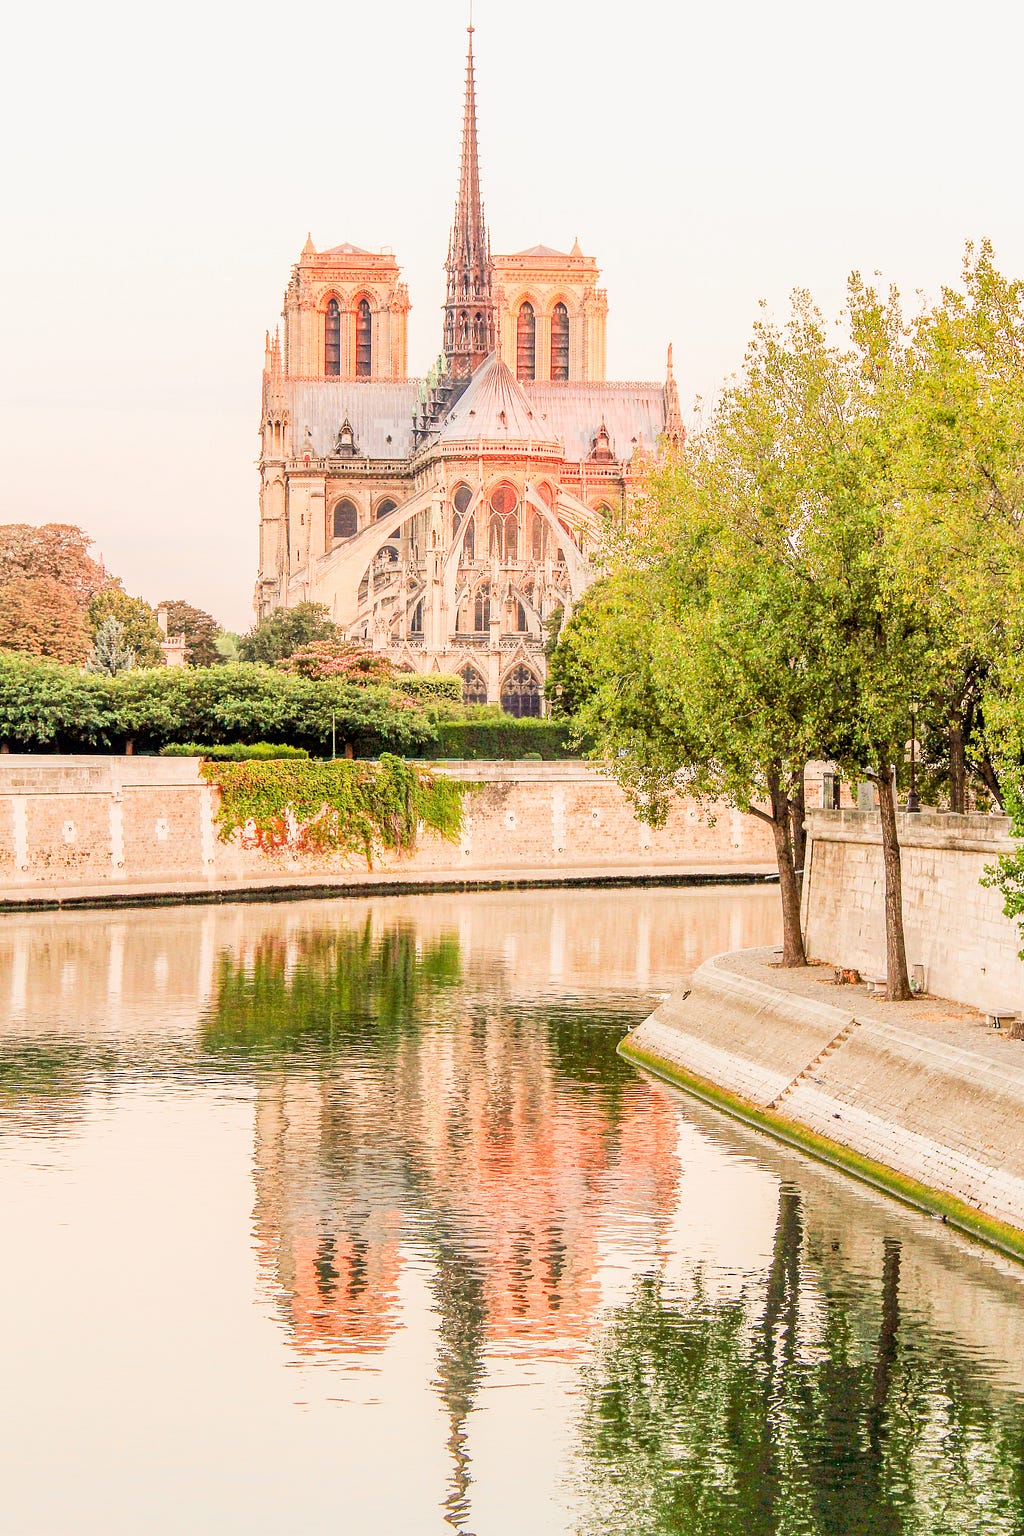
448 520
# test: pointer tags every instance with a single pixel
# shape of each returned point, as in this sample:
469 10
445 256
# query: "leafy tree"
199 628
46 705
285 631
140 631
110 655
57 551
343 659
42 616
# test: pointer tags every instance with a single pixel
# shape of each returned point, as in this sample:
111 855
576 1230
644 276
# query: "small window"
416 627
386 506
346 520
332 342
364 340
560 343
830 792
461 499
526 342
482 613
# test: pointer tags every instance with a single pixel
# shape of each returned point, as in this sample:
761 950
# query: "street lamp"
913 799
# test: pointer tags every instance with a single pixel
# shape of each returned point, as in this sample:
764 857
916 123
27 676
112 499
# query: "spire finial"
469 308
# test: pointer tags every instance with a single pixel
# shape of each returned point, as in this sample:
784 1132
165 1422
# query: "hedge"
494 740
430 687
238 752
49 707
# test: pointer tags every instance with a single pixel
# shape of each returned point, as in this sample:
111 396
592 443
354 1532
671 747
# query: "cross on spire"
469 306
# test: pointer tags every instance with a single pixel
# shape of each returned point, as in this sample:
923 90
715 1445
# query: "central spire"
469 307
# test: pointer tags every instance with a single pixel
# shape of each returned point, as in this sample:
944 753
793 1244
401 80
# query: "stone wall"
955 926
88 821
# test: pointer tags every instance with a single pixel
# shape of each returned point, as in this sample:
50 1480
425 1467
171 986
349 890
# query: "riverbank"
920 1099
130 831
392 882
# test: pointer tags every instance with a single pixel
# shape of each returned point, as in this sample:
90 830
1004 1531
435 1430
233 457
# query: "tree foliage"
110 654
141 632
285 631
200 629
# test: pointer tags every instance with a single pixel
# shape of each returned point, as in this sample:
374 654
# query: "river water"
346 1216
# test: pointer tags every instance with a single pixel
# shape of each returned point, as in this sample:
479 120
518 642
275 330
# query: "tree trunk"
895 946
789 889
991 780
957 769
797 817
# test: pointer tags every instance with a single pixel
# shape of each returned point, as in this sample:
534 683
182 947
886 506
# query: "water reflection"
388 1148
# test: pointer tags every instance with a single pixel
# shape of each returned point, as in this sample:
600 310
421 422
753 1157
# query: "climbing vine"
334 807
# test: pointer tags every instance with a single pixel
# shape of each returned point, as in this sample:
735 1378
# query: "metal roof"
494 408
375 408
634 415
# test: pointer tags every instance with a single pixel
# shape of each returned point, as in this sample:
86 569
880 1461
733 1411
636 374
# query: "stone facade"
955 926
109 821
448 520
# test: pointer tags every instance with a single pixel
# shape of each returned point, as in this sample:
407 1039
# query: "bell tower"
469 333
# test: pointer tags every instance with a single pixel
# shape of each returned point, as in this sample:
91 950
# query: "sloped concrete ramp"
929 1100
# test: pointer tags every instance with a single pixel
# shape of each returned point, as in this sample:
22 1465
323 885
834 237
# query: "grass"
956 1213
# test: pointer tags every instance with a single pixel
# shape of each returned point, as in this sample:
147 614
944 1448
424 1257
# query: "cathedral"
449 521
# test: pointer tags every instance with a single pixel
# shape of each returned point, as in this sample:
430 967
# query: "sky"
162 166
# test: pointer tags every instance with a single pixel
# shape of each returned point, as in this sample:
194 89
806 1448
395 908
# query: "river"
346 1216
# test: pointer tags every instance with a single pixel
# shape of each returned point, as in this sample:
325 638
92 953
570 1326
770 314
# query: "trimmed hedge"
430 687
238 752
507 739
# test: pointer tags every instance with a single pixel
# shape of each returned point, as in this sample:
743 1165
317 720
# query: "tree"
57 551
140 630
110 655
199 628
285 631
43 617
343 659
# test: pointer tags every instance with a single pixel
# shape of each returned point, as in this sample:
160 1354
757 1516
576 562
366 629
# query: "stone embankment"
119 830
919 1098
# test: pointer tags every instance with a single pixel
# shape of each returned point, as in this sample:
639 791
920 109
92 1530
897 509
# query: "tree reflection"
765 1413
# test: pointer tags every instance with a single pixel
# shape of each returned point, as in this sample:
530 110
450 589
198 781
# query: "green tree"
199 628
141 632
285 631
110 654
44 705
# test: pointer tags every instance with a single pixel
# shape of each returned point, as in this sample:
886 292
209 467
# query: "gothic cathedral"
446 520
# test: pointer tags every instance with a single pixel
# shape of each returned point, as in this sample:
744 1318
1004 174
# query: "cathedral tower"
469 307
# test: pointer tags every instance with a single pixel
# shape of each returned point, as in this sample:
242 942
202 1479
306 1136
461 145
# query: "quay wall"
954 925
931 1115
109 821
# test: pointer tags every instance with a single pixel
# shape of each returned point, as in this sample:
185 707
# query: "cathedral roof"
376 410
542 250
495 409
346 250
633 414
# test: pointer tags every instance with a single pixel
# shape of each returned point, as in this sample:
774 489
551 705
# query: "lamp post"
913 799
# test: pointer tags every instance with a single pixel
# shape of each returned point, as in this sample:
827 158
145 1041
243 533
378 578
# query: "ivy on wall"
334 807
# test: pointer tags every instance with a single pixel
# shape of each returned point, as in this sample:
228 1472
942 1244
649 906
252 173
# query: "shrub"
344 807
237 752
504 738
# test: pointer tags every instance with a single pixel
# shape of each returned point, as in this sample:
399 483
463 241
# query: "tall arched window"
416 627
521 694
346 520
332 340
364 340
386 506
504 539
526 342
560 343
482 612
474 689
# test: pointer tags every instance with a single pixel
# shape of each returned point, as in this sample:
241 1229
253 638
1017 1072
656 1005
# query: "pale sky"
163 165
